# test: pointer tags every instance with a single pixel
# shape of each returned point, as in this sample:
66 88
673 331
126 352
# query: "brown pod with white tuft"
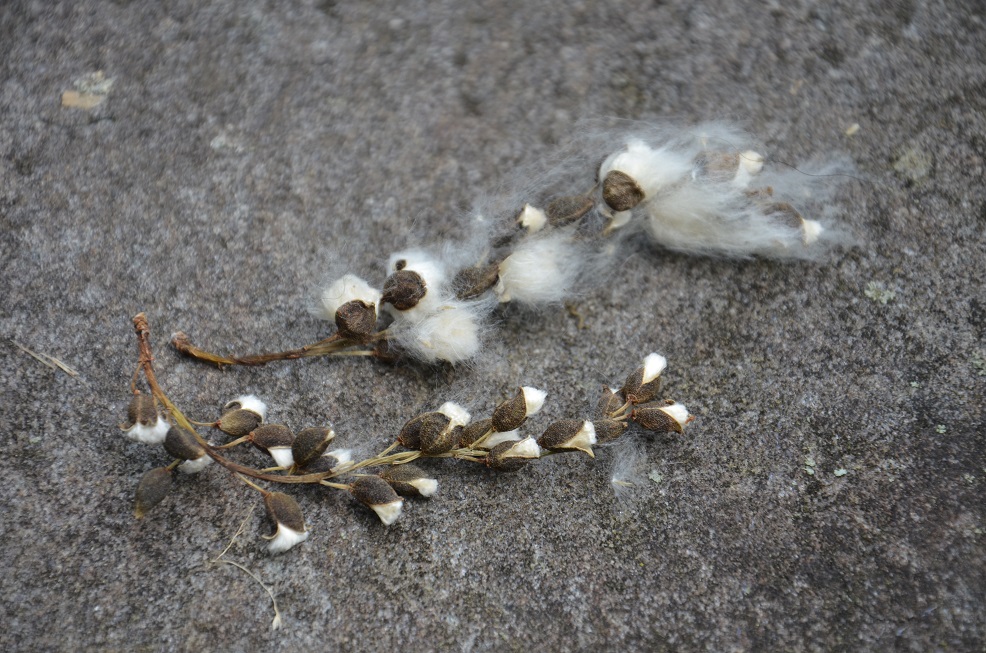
670 418
510 456
410 481
377 494
311 443
242 415
510 414
286 514
277 441
569 435
643 384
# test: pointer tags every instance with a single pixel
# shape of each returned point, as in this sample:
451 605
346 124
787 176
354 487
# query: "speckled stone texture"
248 151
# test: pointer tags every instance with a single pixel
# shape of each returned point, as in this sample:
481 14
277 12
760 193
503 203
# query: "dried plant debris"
89 91
705 190
382 482
879 293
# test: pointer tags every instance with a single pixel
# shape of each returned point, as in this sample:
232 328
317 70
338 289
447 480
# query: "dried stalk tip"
376 494
662 419
621 192
356 320
151 490
410 481
310 444
182 444
404 289
643 384
569 435
566 210
608 430
510 456
286 514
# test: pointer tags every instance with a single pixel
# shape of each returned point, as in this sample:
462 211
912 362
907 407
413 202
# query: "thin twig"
46 360
276 623
324 347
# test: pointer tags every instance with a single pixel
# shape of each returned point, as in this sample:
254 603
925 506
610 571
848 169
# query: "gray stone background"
246 151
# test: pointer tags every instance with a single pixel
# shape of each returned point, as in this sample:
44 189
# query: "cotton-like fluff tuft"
652 168
717 219
540 271
627 478
451 334
347 288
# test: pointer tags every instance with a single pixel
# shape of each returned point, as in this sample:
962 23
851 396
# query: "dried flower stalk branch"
704 190
448 432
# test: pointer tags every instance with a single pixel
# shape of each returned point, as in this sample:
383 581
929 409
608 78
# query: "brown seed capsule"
356 320
643 384
182 444
376 494
566 210
310 444
141 410
387 351
473 282
271 435
403 289
510 414
787 214
719 165
434 443
474 431
621 192
288 519
410 481
430 424
609 402
322 464
662 419
284 510
569 435
608 430
511 456
239 422
151 490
